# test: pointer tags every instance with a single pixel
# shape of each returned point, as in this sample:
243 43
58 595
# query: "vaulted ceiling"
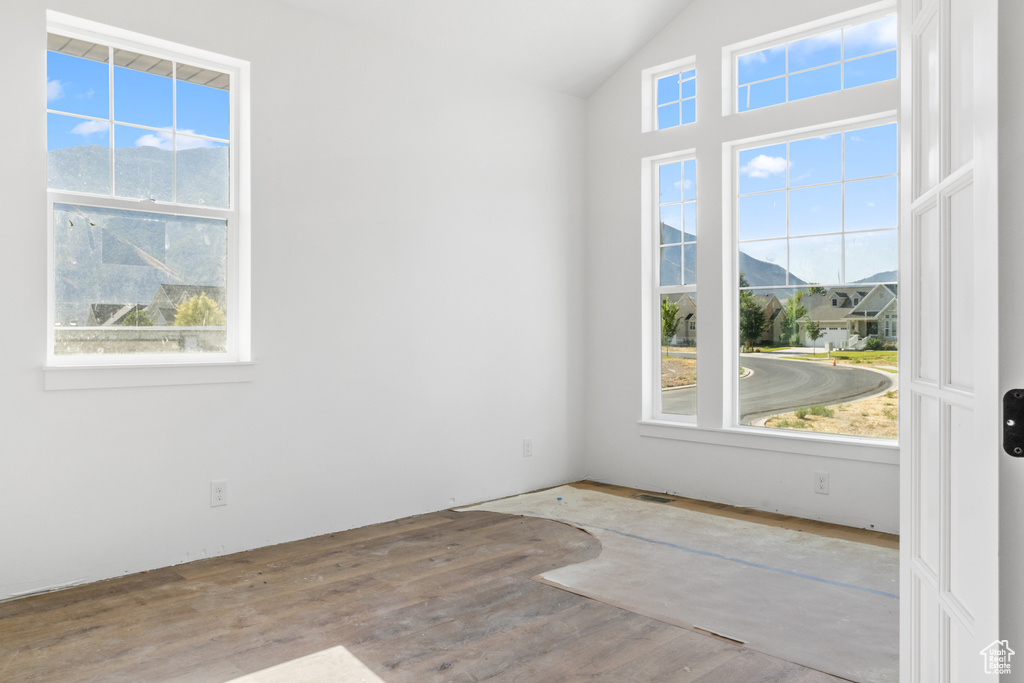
570 46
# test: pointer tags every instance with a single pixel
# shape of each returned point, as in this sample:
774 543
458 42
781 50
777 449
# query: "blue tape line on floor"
721 557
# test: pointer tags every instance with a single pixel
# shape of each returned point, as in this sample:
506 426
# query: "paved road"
779 386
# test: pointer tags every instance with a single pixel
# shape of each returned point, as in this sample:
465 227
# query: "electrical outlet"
821 482
218 493
527 448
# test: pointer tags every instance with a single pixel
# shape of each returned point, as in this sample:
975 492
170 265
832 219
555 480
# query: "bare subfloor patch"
825 603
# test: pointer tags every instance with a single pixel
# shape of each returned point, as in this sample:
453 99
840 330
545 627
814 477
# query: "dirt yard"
678 372
872 417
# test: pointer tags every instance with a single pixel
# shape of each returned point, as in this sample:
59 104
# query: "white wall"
417 278
730 470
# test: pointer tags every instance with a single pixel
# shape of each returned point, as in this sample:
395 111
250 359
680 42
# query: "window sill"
822 445
65 377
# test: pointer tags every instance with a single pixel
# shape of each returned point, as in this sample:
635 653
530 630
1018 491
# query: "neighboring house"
849 315
164 307
686 333
103 315
772 308
162 310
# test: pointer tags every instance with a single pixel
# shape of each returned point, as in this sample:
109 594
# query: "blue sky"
809 208
80 86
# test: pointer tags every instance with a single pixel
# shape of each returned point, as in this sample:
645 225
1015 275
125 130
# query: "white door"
949 403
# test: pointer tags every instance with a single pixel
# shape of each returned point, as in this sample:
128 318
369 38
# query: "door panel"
949 273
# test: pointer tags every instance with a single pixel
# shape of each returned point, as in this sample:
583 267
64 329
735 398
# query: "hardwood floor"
445 596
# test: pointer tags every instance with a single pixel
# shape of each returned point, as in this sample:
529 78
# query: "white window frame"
734 148
653 289
716 424
649 91
234 365
731 53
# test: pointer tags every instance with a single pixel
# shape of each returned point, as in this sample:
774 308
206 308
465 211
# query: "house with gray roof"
164 307
849 315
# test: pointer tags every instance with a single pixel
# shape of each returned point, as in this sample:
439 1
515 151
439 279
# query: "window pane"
871 152
689 179
690 264
763 168
671 266
763 94
874 36
816 160
871 256
143 165
758 66
815 82
136 280
203 110
77 85
688 88
690 221
762 216
689 111
78 154
142 98
670 181
668 89
815 210
203 172
871 204
764 263
816 259
668 116
815 51
871 69
679 354
671 224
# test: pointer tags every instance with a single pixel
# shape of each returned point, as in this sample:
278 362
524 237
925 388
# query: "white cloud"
163 140
87 128
874 35
763 166
54 90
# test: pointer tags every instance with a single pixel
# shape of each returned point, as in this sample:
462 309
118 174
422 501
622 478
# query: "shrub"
874 344
801 413
821 411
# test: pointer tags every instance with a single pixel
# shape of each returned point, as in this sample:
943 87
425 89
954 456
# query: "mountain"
762 274
884 276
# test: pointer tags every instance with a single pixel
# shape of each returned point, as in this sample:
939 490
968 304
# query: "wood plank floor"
445 596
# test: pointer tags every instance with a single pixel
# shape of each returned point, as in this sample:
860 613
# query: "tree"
791 314
199 311
669 321
815 288
136 318
813 330
752 319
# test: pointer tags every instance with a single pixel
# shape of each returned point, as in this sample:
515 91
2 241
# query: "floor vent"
652 499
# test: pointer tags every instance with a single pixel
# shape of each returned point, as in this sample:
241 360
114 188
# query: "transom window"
835 60
677 99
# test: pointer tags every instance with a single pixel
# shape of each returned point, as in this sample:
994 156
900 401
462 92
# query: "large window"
144 193
799 329
816 229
